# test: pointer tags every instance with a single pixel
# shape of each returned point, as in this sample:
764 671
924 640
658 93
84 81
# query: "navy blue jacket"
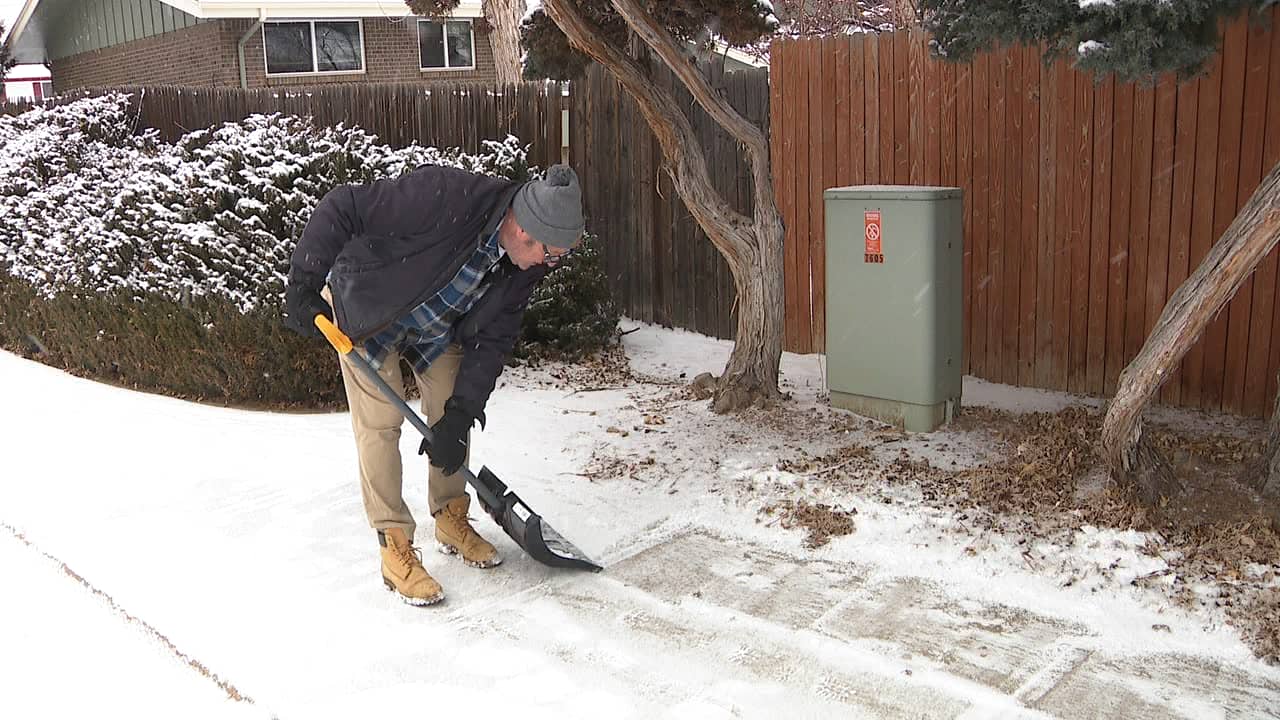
388 246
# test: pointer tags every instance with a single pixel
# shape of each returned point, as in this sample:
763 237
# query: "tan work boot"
402 570
455 535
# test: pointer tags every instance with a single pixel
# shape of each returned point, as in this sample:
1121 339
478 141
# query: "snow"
1089 46
239 539
1086 4
530 7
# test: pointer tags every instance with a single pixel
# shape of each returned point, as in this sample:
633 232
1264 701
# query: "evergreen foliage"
1134 39
736 22
572 313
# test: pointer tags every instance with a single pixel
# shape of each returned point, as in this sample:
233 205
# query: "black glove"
302 302
448 447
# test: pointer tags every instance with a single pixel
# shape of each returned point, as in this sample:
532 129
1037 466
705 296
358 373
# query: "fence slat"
887 85
981 231
932 101
1028 239
997 202
1202 236
1046 226
857 110
1064 98
947 130
1252 339
798 291
964 178
1162 157
842 118
1184 159
813 243
871 106
1139 220
1232 111
902 109
1099 226
917 103
1081 212
1014 242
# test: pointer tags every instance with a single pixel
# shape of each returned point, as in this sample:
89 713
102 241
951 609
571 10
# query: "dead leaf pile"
821 521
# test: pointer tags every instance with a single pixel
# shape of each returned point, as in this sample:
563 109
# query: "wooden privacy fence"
662 266
436 114
1086 203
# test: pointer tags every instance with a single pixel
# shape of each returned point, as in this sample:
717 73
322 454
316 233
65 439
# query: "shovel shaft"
490 494
343 345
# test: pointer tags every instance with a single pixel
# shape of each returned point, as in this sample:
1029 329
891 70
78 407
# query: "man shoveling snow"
436 267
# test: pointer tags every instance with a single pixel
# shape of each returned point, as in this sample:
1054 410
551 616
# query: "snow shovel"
525 526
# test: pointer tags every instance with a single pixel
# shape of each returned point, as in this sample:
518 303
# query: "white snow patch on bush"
88 206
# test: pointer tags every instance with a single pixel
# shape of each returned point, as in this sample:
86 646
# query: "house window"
448 45
314 46
44 90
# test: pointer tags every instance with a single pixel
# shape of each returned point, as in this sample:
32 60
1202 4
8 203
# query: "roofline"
267 9
214 9
20 23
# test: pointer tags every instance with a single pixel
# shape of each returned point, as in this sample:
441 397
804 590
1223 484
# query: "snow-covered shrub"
86 206
162 266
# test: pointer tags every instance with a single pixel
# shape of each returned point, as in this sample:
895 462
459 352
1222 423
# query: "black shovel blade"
527 528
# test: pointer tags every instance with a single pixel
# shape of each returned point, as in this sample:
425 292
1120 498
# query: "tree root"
1151 480
736 393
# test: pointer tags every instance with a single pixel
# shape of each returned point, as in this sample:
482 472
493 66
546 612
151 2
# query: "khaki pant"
376 423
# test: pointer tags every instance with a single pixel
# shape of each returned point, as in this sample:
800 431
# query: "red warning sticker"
872 233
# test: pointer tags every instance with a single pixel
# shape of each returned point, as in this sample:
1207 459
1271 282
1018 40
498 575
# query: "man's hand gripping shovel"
522 524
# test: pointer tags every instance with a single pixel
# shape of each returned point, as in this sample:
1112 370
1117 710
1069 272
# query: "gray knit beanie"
550 209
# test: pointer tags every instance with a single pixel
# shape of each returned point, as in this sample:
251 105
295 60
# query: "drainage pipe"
262 18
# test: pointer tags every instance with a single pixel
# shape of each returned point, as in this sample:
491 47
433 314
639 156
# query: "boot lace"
409 555
463 521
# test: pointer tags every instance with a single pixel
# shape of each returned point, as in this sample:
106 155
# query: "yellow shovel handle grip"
336 338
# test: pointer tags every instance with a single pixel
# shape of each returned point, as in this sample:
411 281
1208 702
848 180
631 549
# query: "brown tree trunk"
906 13
1269 477
1133 463
752 247
504 19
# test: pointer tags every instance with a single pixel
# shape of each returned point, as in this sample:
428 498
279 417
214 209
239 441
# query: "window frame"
471 26
315 55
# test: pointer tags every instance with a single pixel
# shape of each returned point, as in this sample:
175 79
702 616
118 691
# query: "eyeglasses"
553 260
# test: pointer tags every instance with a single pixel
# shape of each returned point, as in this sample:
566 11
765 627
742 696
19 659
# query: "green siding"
87 25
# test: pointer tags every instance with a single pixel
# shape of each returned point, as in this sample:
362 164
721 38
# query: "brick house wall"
205 56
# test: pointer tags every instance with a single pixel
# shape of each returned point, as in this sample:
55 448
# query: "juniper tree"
1137 40
564 35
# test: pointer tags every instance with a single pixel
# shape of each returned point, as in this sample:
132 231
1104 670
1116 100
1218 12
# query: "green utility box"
894 304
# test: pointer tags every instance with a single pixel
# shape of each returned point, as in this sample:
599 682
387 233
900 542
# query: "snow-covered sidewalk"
158 555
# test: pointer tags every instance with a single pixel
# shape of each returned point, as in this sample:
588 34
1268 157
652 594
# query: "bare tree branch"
746 132
673 130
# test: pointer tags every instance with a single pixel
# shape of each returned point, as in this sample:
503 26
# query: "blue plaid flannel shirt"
423 334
